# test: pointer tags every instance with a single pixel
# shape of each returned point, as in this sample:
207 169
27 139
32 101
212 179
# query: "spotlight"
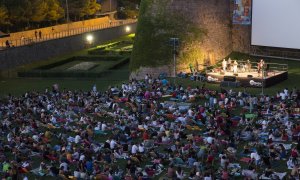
89 38
127 29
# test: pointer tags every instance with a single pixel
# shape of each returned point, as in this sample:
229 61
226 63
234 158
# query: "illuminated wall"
204 29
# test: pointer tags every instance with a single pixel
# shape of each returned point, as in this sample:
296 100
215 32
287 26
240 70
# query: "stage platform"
248 79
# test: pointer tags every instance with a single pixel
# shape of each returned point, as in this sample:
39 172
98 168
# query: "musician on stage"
248 66
224 65
260 67
235 67
229 65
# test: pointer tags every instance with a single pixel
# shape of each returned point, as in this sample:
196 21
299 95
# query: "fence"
56 35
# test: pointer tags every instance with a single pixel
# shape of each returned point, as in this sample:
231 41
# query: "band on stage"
235 67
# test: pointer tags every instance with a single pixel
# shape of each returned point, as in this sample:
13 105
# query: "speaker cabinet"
230 78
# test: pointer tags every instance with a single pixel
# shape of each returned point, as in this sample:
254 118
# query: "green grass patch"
117 48
100 69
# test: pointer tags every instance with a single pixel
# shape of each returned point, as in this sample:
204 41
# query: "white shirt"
134 149
190 112
103 127
255 156
77 139
112 144
209 140
82 157
207 178
77 174
65 165
282 95
141 149
286 92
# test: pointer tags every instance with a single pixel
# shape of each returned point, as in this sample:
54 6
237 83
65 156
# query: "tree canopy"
128 8
18 14
3 15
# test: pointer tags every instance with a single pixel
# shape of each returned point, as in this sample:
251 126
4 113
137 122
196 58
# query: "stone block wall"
155 72
214 16
241 38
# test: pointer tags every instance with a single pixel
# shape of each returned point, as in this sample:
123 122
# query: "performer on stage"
235 67
224 65
229 65
248 66
260 66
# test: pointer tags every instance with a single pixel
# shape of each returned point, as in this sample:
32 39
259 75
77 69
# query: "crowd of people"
150 129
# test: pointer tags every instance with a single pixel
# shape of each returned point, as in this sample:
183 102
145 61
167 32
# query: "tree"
55 11
4 18
39 10
92 7
75 8
82 8
128 8
19 11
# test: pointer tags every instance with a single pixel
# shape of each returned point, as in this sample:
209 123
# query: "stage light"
89 38
127 29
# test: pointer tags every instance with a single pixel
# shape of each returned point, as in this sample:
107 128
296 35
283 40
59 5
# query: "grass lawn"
17 86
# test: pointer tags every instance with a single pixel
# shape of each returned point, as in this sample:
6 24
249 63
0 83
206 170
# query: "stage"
247 79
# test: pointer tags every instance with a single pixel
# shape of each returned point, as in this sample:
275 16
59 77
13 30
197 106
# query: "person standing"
235 67
36 34
224 65
7 43
260 66
40 34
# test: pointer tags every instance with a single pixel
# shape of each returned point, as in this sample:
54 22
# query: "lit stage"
246 79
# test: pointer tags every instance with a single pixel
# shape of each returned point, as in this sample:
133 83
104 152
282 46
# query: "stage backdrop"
242 12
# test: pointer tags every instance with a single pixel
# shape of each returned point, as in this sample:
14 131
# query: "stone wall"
214 16
17 56
241 38
155 72
211 17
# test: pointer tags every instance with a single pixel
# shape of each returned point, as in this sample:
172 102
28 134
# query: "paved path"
27 41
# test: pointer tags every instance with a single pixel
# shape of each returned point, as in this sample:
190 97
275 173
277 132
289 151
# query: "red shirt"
145 135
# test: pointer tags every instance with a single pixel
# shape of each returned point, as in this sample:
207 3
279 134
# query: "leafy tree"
4 18
39 10
75 8
82 8
55 11
92 7
19 11
128 8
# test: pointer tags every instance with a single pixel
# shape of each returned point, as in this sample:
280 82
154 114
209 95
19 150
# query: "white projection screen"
276 23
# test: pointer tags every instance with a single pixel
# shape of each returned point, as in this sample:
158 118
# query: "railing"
274 52
62 34
272 66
